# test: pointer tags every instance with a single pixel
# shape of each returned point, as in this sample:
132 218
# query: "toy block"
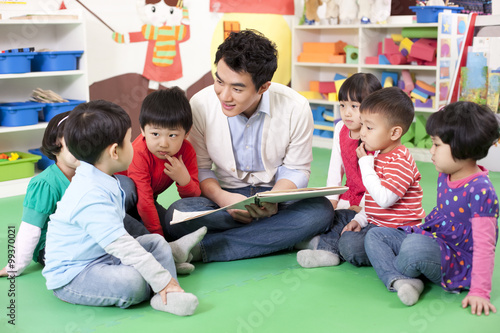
326 87
388 82
427 104
314 86
431 63
380 48
420 132
314 57
408 81
351 54
390 47
424 49
397 38
318 113
324 125
397 59
382 60
419 95
339 77
310 94
329 116
318 47
337 59
401 85
231 26
333 97
371 60
339 84
405 46
415 61
426 88
392 75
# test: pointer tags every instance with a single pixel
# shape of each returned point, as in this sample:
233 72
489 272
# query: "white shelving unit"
44 33
366 37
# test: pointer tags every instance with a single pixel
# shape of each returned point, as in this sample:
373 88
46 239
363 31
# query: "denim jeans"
352 246
329 241
228 239
396 255
107 282
132 221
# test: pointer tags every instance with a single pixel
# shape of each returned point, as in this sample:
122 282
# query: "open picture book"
268 196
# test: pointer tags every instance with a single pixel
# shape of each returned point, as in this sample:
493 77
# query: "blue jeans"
329 241
352 246
228 239
107 282
396 255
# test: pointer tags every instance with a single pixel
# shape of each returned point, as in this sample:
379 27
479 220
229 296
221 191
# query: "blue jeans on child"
107 282
396 255
228 239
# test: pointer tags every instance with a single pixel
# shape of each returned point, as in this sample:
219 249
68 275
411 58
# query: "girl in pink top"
455 246
322 250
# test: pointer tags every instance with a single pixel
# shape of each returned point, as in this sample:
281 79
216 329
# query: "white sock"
311 244
184 268
409 290
182 247
317 258
181 304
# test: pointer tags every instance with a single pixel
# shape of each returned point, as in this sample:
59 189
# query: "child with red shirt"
162 155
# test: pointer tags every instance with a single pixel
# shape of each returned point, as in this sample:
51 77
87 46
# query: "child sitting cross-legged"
90 258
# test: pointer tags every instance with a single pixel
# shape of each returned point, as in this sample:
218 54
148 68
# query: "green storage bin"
23 167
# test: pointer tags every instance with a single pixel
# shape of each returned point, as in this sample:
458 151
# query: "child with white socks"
455 246
90 257
322 250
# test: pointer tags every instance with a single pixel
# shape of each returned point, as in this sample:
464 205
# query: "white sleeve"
27 239
131 253
336 169
382 196
361 218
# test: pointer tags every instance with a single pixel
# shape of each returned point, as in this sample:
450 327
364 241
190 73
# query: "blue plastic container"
52 109
44 162
19 114
13 63
430 14
56 61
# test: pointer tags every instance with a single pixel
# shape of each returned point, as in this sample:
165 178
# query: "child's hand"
478 305
360 151
172 286
355 208
3 272
352 226
177 171
334 203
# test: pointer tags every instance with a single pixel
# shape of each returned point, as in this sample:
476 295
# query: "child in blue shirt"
90 257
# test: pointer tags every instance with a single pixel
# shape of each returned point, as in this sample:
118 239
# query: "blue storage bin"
430 14
44 162
56 61
20 113
52 109
13 63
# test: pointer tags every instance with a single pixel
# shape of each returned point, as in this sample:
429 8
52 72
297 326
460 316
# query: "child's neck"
66 170
467 169
391 147
355 135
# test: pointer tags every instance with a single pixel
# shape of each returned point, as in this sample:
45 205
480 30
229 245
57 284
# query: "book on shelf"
267 196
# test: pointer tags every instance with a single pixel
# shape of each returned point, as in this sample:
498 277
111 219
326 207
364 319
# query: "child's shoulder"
52 175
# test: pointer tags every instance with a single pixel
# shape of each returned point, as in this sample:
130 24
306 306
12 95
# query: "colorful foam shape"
397 59
388 82
426 88
408 81
337 59
326 87
382 60
351 54
397 38
371 60
380 48
338 77
405 46
333 97
389 47
427 104
392 75
339 83
314 86
424 49
419 95
310 94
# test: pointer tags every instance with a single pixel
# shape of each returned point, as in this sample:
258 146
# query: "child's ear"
113 151
396 133
187 134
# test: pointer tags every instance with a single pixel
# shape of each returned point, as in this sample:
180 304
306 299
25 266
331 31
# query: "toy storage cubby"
45 33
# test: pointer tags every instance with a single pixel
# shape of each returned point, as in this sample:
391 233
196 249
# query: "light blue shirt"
246 139
88 218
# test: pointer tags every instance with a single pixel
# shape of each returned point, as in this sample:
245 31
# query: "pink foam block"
406 77
390 47
380 48
397 59
371 60
326 87
416 61
424 49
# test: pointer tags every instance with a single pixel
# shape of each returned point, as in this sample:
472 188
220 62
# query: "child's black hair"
167 108
357 86
393 103
251 52
51 141
93 126
467 127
